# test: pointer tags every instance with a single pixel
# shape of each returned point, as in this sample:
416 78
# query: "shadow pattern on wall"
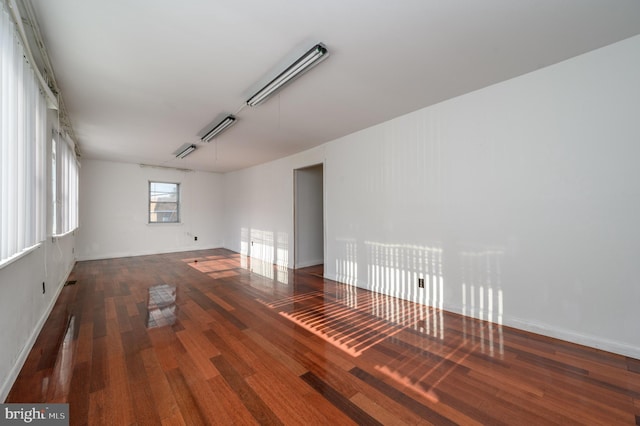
482 296
395 269
264 250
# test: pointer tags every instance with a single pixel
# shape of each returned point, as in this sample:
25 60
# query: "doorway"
308 216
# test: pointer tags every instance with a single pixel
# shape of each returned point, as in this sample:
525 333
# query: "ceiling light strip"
188 150
219 128
314 56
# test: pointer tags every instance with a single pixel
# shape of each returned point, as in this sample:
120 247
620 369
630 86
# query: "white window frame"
150 213
64 186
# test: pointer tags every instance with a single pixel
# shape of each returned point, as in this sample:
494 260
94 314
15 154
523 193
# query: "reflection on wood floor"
198 338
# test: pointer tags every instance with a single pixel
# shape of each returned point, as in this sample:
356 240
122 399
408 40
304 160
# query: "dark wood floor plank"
84 347
332 374
233 353
288 347
381 414
198 315
339 400
189 409
118 398
256 406
97 410
193 365
144 407
293 405
276 353
78 398
99 365
122 315
218 403
163 397
633 365
411 404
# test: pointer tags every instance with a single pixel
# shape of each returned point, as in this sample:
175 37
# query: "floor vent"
72 282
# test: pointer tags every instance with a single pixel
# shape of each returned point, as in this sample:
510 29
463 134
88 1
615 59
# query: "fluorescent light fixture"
188 150
314 56
227 122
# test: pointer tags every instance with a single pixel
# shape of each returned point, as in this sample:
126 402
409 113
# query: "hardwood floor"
198 338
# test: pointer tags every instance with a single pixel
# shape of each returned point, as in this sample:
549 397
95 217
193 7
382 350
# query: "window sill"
20 255
65 234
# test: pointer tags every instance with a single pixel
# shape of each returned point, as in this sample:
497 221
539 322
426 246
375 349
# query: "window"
164 202
64 186
23 112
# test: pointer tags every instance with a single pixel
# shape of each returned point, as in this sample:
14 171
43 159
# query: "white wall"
114 211
258 205
517 203
309 217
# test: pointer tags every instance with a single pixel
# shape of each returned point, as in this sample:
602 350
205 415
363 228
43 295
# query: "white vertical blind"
66 187
23 114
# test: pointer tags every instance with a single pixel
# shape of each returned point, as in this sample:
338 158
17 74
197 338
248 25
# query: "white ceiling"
140 78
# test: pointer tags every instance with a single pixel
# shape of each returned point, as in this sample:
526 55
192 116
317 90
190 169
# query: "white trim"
8 261
309 263
559 333
573 337
65 234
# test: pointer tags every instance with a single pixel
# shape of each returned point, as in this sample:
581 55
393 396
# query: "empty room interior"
341 212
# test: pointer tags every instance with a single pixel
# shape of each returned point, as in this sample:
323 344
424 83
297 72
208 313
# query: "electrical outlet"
195 238
421 282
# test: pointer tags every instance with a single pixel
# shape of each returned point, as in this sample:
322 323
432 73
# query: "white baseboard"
116 255
24 353
310 263
558 333
543 329
578 338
